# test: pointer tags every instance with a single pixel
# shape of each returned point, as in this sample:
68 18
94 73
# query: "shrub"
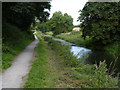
100 79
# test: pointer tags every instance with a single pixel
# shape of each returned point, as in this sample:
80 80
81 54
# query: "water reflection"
80 51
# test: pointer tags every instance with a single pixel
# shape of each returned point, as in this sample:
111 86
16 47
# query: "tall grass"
114 50
14 41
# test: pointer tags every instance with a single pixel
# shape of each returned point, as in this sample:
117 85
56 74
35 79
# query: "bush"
100 79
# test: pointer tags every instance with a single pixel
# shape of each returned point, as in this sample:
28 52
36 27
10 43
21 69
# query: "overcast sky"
68 6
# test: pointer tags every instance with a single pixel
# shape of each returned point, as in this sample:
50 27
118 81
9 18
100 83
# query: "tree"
60 23
22 14
41 26
100 21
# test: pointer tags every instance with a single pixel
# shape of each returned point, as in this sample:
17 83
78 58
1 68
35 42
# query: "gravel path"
13 76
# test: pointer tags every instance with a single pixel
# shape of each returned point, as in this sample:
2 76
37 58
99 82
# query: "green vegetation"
56 67
100 21
91 75
40 26
64 52
60 23
39 71
14 41
22 14
75 37
113 49
49 33
17 19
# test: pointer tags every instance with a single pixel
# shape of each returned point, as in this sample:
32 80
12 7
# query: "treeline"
58 23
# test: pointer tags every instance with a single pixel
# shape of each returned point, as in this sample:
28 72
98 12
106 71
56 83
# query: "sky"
71 7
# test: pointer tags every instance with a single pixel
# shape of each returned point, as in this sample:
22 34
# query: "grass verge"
39 71
40 75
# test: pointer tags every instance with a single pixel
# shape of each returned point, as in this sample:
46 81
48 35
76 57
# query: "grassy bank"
75 37
14 41
55 66
93 75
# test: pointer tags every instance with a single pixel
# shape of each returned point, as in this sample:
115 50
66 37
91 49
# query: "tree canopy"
100 20
60 23
22 14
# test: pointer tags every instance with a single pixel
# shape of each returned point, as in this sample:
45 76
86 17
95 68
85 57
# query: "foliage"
14 41
100 79
41 26
95 76
22 14
60 23
113 49
100 21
